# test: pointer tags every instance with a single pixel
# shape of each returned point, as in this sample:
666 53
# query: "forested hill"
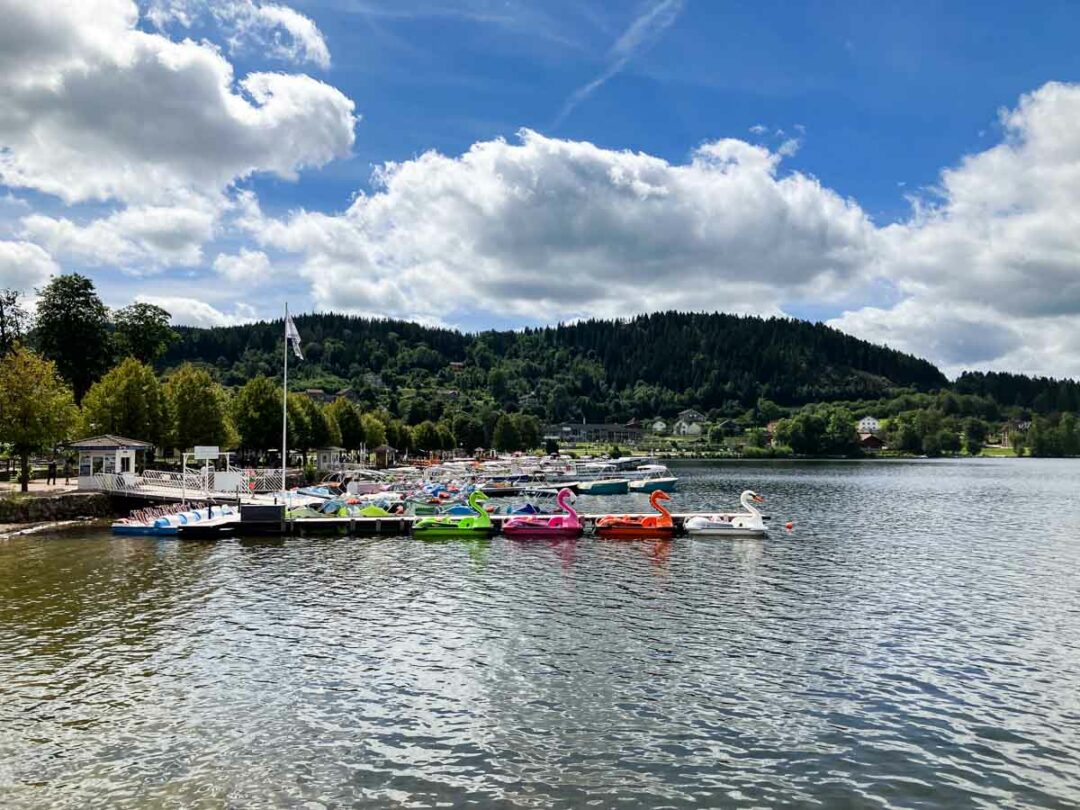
598 370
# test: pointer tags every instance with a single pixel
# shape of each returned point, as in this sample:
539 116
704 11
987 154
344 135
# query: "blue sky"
904 171
889 92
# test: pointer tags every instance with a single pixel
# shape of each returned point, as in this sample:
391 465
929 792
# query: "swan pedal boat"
478 524
749 523
631 527
556 527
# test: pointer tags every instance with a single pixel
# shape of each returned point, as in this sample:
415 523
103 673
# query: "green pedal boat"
475 525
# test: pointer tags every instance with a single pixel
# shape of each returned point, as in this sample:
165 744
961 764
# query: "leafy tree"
716 435
128 401
349 422
73 330
425 436
505 437
528 430
14 320
975 431
142 332
36 407
374 430
551 447
256 412
468 431
200 409
309 427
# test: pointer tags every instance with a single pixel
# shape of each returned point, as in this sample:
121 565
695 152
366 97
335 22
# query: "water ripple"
911 644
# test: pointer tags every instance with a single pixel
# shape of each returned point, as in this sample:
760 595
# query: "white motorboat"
653 477
749 523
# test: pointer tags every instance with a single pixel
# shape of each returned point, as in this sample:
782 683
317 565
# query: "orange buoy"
789 525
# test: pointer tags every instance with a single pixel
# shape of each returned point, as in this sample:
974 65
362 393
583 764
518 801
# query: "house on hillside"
686 428
868 424
871 442
691 416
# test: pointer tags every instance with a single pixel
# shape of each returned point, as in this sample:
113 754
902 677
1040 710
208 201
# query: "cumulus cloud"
273 29
24 266
548 229
91 107
990 265
137 237
193 312
247 266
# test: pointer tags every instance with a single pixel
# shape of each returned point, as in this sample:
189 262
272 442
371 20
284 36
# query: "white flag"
293 336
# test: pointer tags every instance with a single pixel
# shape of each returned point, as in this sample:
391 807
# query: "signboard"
206 452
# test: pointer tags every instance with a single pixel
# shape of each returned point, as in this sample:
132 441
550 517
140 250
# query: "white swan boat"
749 523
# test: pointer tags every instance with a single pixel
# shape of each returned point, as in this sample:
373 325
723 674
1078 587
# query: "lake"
914 642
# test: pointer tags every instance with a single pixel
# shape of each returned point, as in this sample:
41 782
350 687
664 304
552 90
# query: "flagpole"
285 406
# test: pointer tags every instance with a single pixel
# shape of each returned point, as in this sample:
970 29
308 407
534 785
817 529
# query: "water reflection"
910 644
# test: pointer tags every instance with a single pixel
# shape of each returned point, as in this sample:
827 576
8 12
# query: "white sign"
206 453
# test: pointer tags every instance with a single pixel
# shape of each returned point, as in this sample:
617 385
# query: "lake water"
914 642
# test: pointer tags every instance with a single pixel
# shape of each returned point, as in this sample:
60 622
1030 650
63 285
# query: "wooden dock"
269 521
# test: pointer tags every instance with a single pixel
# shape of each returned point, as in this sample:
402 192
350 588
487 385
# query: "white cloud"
147 237
247 266
275 30
193 312
991 266
24 266
551 229
93 108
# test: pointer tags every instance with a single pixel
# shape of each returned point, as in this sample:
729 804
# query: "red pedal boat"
631 527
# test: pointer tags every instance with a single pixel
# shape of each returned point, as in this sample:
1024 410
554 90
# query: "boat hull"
614 486
451 532
636 532
727 531
541 533
655 485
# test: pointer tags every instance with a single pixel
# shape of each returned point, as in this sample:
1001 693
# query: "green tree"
309 427
256 412
528 430
73 330
975 431
36 407
840 437
142 331
349 422
128 401
468 431
374 431
505 437
425 436
1069 440
200 409
14 320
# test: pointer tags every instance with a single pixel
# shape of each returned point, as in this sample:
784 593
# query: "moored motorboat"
639 526
604 486
554 527
654 477
478 524
749 523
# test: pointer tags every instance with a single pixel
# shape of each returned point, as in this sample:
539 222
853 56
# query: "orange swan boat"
631 527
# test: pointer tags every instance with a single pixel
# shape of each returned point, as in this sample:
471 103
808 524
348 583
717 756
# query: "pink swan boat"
542 527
